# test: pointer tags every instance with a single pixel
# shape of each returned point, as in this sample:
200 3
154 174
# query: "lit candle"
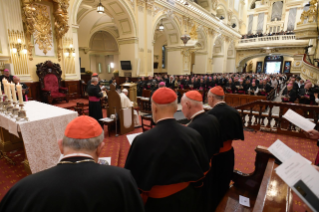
13 90
19 90
9 92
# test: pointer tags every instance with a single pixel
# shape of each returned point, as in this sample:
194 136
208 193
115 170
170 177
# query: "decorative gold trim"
43 32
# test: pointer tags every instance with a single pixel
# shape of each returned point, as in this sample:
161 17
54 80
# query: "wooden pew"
264 188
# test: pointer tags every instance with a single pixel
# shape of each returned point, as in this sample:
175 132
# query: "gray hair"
94 79
219 98
193 102
162 106
89 144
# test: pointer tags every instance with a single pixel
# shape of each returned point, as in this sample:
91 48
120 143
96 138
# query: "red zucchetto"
217 90
83 127
194 95
164 96
94 75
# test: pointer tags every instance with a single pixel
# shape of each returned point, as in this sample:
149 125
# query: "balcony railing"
267 38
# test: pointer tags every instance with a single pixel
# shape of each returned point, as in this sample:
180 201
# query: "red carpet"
118 147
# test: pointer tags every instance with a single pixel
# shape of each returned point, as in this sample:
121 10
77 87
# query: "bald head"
190 107
160 111
16 80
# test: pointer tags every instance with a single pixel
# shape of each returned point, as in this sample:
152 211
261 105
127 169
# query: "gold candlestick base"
9 107
15 109
22 115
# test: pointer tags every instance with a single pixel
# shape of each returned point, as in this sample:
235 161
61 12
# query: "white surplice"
126 102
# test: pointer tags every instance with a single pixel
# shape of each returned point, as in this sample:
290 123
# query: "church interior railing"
267 38
271 120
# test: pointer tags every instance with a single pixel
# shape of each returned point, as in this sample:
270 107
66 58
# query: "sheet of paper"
107 119
105 161
244 201
131 137
297 168
299 120
281 151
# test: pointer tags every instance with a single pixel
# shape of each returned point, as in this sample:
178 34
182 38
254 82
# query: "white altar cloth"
40 134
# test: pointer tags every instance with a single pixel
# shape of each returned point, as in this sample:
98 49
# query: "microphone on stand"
116 134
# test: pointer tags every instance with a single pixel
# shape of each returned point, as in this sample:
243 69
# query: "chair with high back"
49 74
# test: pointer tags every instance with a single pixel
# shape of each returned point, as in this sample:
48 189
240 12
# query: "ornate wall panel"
250 23
292 19
260 25
276 11
43 36
19 59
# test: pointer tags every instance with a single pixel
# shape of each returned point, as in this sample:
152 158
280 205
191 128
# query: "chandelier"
161 27
100 8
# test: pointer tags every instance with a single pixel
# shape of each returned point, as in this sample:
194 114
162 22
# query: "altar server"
208 127
231 128
167 160
77 182
95 94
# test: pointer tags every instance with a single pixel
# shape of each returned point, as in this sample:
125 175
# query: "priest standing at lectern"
231 128
95 95
126 102
167 160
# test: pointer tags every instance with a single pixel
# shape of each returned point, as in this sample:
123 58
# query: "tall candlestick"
19 90
4 86
9 92
13 90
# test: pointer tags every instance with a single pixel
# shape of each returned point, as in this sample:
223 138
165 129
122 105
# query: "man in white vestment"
126 102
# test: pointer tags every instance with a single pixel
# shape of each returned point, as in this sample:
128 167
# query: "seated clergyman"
126 102
77 183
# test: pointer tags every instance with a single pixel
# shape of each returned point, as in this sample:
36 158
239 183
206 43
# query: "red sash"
94 99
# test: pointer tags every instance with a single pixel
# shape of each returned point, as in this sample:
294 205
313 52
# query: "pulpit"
132 92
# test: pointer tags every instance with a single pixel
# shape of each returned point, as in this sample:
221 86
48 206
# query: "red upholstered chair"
50 82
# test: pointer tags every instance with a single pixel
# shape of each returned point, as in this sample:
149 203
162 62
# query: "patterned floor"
118 147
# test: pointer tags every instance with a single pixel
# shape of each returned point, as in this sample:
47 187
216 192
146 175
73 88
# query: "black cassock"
208 127
169 154
231 128
95 109
87 187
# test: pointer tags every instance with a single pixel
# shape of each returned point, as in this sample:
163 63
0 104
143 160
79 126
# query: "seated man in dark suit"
25 89
78 182
7 75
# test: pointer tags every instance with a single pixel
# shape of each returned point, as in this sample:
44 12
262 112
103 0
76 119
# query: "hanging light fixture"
100 8
161 26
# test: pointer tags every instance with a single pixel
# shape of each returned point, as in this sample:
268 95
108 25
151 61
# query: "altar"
38 135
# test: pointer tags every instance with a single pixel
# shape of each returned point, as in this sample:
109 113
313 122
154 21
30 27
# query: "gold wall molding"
35 22
43 32
127 41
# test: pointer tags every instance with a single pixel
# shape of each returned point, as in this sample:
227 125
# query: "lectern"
132 92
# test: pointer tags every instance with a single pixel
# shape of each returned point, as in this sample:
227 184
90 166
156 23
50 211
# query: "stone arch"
172 29
218 46
204 4
119 10
103 41
222 11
